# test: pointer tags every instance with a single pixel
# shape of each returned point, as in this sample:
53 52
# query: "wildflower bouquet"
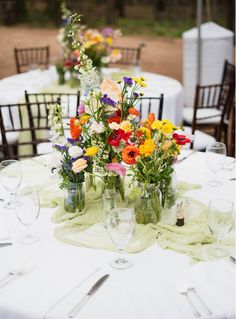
151 156
107 118
98 46
74 160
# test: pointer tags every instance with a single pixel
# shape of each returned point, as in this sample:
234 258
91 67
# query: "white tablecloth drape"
147 290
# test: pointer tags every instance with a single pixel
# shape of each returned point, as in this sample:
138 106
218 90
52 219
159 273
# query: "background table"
12 88
147 290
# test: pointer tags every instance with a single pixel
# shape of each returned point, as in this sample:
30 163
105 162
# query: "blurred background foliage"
143 17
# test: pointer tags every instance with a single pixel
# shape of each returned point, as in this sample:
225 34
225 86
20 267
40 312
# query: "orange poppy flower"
75 128
129 154
114 118
151 119
134 111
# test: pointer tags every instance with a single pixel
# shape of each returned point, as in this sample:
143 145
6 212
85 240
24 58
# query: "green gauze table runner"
86 230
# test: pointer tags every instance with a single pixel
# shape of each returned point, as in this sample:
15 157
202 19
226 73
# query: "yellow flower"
167 128
125 126
79 165
156 125
140 81
147 148
84 119
146 132
91 151
167 145
109 40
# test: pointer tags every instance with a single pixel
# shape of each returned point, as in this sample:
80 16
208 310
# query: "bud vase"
74 198
147 206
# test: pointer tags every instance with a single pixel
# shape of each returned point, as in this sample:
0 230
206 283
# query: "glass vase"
110 200
74 198
169 191
147 207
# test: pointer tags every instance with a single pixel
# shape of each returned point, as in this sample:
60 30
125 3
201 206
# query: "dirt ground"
160 55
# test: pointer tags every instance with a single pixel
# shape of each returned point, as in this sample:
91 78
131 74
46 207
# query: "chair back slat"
148 105
26 58
129 56
27 118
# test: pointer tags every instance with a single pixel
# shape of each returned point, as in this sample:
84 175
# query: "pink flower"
117 168
81 108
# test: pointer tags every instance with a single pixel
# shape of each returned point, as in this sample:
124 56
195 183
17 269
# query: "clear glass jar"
147 207
74 198
170 193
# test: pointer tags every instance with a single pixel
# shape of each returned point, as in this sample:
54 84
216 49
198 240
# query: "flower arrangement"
154 150
107 118
75 151
106 134
97 45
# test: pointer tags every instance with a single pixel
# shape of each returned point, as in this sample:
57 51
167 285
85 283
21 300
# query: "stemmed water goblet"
220 217
27 213
10 176
120 226
215 158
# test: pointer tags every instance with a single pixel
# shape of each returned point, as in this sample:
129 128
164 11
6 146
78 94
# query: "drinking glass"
220 219
10 176
215 157
27 213
120 225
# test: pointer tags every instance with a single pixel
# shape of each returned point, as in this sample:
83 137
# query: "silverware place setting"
188 290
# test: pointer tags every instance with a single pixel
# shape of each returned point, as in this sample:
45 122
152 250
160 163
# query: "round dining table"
54 275
35 81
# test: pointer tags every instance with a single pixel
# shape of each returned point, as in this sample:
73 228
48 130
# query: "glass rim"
228 203
8 161
216 145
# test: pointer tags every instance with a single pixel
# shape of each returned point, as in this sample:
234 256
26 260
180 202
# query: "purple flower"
60 147
128 81
81 108
106 100
135 94
107 32
72 141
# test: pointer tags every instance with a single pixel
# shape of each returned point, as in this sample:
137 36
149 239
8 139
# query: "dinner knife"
5 244
184 158
232 259
89 294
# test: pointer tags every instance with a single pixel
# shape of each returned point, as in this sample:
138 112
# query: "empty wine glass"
220 219
10 176
215 157
27 213
120 225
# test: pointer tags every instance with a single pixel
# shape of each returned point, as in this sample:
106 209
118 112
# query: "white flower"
97 127
114 126
75 151
105 59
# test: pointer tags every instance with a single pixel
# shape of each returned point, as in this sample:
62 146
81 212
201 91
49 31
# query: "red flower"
118 113
116 119
181 139
68 64
115 137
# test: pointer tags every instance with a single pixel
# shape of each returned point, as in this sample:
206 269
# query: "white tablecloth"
12 89
147 290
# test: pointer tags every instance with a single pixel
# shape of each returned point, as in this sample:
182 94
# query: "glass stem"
12 197
120 254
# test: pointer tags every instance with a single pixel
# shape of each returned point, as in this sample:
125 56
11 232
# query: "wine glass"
220 219
120 225
27 213
215 157
10 176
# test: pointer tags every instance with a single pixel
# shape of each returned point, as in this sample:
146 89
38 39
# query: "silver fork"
204 306
196 313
